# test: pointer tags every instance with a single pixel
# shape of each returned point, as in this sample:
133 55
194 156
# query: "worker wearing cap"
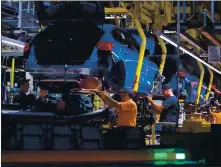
168 108
23 97
126 109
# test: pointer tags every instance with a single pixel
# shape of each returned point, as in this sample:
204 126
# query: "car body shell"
120 53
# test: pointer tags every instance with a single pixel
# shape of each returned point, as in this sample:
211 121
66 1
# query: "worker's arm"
166 104
157 107
121 106
108 101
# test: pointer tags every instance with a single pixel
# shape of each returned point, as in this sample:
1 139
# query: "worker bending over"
168 108
126 109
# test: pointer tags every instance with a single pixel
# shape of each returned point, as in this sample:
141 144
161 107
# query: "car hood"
53 12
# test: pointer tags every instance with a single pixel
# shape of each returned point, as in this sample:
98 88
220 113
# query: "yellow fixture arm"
12 74
210 83
143 43
200 82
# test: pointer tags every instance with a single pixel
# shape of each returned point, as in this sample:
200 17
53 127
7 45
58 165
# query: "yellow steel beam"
200 82
210 84
116 11
12 73
188 10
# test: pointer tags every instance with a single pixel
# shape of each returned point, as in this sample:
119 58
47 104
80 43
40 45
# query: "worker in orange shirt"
217 116
126 109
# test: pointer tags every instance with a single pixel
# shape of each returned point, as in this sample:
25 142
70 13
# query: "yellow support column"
116 11
163 56
12 73
210 84
200 82
153 136
141 53
143 39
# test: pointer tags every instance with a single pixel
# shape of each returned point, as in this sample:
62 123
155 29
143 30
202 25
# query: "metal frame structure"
12 48
185 50
26 16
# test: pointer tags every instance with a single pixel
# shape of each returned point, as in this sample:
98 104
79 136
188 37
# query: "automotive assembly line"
138 82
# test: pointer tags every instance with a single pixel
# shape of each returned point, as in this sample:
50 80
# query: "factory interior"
111 83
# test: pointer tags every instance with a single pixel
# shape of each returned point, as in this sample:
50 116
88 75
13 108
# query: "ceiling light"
189 53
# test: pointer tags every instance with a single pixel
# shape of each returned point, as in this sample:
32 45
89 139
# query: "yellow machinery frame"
193 33
200 82
163 56
141 12
210 84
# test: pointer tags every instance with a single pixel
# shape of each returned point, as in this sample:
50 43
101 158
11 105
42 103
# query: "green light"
161 163
180 156
160 156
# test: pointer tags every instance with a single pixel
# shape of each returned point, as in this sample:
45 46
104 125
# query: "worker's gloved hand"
43 93
102 94
61 105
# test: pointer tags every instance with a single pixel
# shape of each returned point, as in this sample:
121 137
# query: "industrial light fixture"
118 17
164 37
169 32
12 42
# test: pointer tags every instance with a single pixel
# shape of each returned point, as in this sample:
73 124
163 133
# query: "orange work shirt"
127 114
217 116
